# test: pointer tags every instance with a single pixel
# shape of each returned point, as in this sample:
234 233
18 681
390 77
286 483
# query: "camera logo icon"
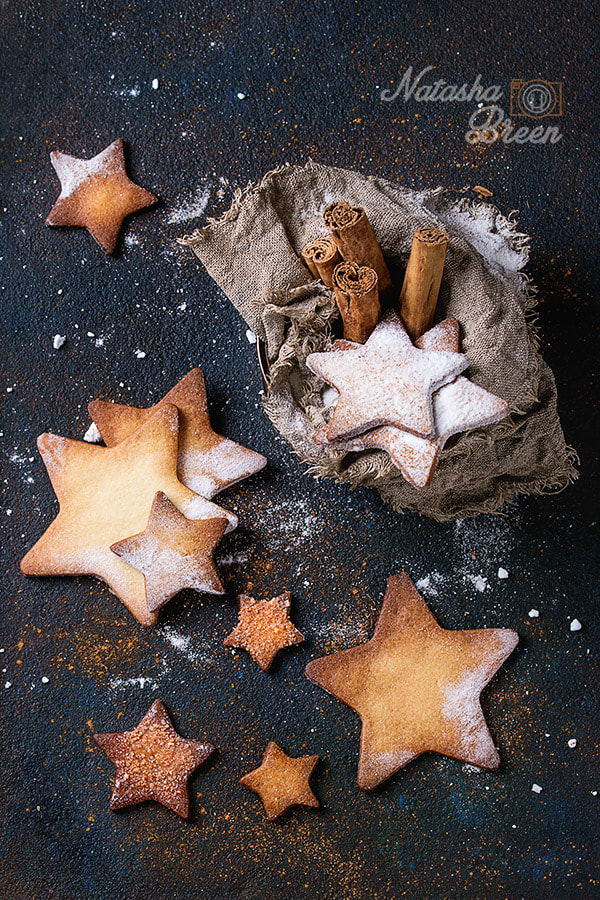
535 98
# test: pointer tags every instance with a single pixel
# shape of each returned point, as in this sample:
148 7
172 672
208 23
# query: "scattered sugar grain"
502 573
536 788
241 96
59 341
92 435
251 337
140 354
575 625
572 743
45 680
155 84
534 613
7 684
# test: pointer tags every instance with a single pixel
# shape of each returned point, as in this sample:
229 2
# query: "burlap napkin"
253 253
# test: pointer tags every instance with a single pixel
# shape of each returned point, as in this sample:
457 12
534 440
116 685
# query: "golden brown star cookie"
208 462
174 553
457 406
153 762
264 628
416 686
282 781
386 381
105 495
96 194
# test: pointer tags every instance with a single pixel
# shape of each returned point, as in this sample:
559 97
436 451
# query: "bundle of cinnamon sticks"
350 261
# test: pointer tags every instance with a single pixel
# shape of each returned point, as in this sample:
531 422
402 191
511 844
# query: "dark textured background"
78 75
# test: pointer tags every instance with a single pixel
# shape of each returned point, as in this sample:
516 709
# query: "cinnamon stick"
422 279
357 296
352 232
321 257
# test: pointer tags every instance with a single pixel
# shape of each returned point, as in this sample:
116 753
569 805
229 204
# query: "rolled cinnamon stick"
321 257
357 296
352 232
422 280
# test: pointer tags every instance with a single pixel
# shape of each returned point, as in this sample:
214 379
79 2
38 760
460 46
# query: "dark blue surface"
76 76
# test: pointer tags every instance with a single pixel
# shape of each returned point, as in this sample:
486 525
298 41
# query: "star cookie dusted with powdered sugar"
458 406
282 781
208 462
264 628
416 686
174 553
105 495
96 194
153 762
386 381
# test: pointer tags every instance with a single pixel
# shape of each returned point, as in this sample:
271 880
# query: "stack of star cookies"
138 513
404 398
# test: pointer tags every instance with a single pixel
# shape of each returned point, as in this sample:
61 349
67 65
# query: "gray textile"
253 253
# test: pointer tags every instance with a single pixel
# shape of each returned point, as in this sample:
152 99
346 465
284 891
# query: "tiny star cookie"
458 406
105 495
416 686
174 553
96 194
386 381
282 781
153 762
264 628
207 462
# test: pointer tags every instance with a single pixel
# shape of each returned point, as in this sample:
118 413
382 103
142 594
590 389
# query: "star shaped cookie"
174 553
207 462
96 194
386 381
264 628
153 762
416 686
282 781
105 495
457 406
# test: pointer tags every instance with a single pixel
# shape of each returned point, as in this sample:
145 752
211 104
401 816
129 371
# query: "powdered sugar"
193 208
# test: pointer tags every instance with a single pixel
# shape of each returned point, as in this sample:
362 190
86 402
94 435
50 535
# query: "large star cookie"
282 781
264 628
457 407
416 686
208 462
153 762
174 553
105 495
386 381
96 194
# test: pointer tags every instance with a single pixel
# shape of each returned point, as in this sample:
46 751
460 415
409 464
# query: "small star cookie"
207 462
386 381
264 628
96 194
282 781
105 495
416 686
153 762
174 553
